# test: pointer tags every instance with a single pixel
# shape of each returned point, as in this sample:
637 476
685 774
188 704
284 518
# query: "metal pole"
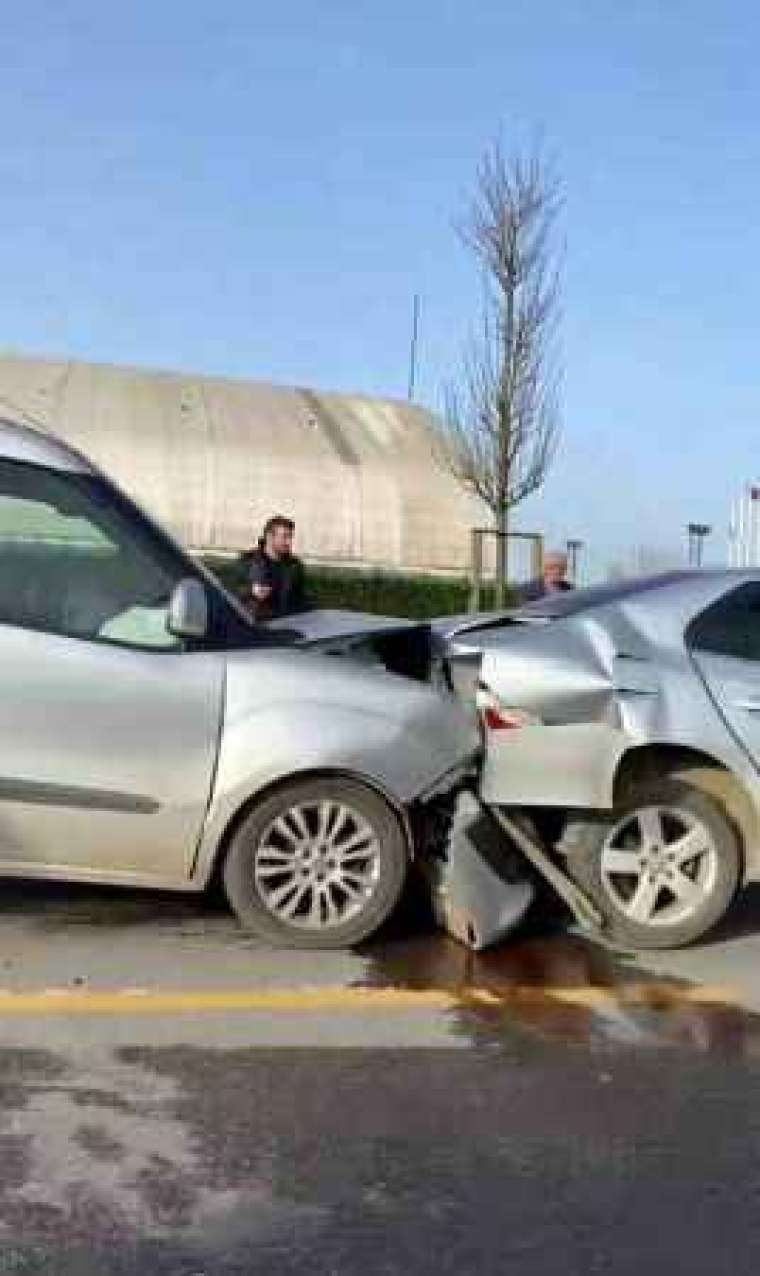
413 352
538 556
697 534
574 548
739 533
705 531
476 566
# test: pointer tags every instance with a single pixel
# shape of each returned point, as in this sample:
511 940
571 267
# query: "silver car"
151 736
625 721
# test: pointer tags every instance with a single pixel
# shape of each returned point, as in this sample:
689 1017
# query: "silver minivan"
151 735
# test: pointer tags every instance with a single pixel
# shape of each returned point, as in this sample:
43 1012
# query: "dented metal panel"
479 891
568 766
604 681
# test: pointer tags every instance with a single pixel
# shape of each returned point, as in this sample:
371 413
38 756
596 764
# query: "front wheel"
318 864
662 869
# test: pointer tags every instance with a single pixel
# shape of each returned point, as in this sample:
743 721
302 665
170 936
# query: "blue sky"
258 190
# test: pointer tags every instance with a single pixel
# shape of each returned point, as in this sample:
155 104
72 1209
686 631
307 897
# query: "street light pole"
413 349
697 533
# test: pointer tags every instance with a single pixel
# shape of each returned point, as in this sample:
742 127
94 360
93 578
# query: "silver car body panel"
603 682
295 713
577 763
735 688
20 443
107 757
383 642
325 624
464 634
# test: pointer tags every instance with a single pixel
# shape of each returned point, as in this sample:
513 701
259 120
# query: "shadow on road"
741 920
56 904
67 904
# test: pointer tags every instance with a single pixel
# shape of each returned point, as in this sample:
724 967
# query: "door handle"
751 704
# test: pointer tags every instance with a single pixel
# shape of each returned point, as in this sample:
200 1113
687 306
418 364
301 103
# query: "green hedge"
384 593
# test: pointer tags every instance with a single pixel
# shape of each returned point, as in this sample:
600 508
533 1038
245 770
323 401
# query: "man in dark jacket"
553 580
276 577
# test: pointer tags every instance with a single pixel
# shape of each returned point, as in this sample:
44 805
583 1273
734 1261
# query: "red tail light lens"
498 717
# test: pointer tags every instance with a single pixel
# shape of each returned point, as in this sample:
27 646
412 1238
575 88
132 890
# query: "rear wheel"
318 864
662 869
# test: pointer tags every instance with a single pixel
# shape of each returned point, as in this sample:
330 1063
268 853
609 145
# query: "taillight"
498 717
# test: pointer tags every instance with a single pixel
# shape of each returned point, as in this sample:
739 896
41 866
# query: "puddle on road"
502 997
563 988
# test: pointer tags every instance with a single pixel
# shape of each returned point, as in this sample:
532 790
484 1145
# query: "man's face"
280 542
555 569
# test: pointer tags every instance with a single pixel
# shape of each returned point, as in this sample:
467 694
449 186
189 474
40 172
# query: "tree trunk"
506 406
502 559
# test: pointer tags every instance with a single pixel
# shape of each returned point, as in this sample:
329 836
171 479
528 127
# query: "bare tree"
501 419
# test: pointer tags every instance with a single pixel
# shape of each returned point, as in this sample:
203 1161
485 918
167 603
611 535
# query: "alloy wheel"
317 865
659 865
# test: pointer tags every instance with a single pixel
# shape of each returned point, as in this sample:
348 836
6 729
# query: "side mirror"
188 610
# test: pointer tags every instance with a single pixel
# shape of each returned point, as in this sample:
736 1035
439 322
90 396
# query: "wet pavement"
219 1107
547 982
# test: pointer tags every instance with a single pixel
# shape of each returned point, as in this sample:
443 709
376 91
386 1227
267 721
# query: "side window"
730 627
73 562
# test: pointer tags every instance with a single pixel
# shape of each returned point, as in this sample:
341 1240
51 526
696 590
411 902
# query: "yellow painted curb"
142 1001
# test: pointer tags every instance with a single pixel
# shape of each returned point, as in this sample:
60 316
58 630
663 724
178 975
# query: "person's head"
555 568
277 537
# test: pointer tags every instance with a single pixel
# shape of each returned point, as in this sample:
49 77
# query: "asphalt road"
175 1098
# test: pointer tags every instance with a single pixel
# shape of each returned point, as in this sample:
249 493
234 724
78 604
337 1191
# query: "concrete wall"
213 458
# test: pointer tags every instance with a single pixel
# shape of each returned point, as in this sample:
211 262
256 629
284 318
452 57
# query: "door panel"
107 756
724 642
735 686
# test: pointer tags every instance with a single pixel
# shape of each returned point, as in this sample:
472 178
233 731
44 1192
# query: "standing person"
277 578
553 579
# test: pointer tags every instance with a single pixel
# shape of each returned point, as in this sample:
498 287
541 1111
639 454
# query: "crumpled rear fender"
571 766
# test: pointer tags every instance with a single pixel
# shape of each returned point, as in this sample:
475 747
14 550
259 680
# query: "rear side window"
730 627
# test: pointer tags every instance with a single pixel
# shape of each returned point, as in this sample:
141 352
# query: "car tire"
669 911
290 884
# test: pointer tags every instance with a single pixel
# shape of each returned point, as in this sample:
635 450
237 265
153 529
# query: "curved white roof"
213 458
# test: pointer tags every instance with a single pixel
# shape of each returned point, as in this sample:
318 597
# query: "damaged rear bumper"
480 888
482 858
